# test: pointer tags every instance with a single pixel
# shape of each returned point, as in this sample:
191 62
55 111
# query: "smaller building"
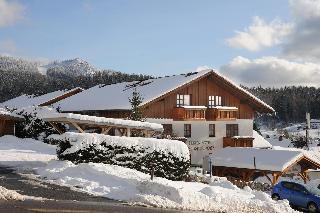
247 163
8 121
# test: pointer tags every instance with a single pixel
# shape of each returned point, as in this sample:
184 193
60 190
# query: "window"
212 130
214 101
211 101
232 130
299 188
187 130
167 129
287 185
183 100
218 101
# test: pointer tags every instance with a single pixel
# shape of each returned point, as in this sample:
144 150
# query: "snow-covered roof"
265 159
259 141
115 96
48 114
33 100
234 85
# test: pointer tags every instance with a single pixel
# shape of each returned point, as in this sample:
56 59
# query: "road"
62 199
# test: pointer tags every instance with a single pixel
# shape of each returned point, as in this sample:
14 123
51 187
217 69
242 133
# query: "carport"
247 163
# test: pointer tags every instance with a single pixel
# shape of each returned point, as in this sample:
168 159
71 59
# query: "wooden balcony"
204 113
221 113
189 113
238 141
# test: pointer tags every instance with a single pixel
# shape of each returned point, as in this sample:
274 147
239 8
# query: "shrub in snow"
33 126
169 158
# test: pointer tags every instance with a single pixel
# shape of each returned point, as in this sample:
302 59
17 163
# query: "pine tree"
135 101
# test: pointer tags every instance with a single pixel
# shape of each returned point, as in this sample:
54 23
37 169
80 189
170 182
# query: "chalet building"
204 107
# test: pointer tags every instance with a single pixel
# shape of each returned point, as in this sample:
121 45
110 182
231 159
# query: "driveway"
62 199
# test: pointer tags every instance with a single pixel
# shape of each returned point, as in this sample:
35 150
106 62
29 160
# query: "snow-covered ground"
25 153
129 185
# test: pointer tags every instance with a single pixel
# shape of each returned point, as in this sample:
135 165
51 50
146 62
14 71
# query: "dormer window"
214 100
183 100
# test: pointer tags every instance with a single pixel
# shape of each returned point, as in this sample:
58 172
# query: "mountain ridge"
73 67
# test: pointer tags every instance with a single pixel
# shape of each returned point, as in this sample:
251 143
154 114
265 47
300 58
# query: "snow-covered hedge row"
169 158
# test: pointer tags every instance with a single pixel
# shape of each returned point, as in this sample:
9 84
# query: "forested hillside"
291 103
15 83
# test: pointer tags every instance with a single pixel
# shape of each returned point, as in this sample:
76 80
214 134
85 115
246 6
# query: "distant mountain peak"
74 67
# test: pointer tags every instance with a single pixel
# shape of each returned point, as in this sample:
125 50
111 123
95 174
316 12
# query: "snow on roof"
244 91
33 100
48 114
102 97
259 141
266 159
116 96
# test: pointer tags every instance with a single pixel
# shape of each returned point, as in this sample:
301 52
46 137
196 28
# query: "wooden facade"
199 91
238 142
7 124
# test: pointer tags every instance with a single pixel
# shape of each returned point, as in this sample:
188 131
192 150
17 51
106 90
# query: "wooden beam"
77 126
275 177
105 131
56 127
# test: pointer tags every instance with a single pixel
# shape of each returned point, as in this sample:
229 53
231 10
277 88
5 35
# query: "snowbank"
25 153
129 185
6 194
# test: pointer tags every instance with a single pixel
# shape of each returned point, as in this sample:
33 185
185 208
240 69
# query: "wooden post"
77 126
275 178
56 127
105 130
128 132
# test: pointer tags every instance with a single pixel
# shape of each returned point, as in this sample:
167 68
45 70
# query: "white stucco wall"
200 144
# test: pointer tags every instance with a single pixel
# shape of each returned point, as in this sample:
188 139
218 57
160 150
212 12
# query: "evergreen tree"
135 101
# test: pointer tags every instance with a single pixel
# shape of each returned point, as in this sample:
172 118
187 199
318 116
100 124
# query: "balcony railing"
204 113
221 113
238 141
189 113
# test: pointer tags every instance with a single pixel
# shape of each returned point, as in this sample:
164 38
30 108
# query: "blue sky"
139 36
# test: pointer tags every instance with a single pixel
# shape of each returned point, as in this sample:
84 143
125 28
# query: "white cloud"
303 43
8 47
260 34
305 9
10 12
272 71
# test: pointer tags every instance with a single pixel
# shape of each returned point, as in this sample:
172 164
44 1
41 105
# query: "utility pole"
307 129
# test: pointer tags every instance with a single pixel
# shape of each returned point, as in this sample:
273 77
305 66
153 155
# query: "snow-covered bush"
170 159
33 126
